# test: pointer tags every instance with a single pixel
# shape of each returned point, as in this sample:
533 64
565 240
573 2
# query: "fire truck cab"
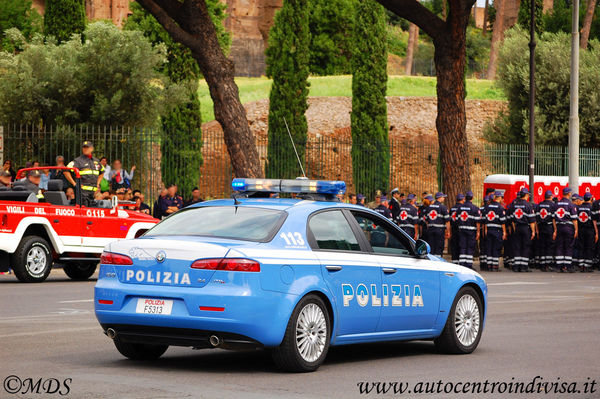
37 234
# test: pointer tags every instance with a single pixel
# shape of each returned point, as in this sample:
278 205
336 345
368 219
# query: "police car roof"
277 203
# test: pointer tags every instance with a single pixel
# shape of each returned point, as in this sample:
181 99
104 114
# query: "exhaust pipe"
111 333
214 341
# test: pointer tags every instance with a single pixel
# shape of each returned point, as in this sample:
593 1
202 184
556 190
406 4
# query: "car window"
331 230
381 236
235 222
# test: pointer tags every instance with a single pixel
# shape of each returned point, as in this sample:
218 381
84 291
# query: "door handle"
333 268
389 270
89 222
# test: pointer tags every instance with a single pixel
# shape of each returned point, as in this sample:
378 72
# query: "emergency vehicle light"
289 186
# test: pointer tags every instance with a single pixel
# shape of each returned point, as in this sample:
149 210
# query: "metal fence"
414 163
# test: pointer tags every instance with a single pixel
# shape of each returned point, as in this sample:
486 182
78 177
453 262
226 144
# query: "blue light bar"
289 186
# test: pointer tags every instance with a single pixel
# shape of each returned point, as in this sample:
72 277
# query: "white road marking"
54 314
64 330
564 298
77 301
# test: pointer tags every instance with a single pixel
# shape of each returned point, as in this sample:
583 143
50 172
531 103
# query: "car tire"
136 351
309 320
80 271
464 326
32 260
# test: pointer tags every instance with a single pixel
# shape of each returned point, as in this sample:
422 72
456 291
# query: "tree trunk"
413 36
189 23
497 36
587 24
451 121
485 17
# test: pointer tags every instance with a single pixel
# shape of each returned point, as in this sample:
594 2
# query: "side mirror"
422 248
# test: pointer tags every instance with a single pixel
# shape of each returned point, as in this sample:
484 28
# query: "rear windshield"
239 223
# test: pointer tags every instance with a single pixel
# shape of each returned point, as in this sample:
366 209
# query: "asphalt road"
539 324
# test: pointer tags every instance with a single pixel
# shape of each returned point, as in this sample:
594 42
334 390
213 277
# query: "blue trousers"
466 244
565 241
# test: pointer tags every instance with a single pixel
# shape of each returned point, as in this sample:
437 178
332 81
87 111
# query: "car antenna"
294 145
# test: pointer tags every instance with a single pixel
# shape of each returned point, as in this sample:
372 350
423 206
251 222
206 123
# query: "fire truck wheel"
32 261
79 271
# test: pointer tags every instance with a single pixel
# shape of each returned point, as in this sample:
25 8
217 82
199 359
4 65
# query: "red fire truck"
510 185
36 234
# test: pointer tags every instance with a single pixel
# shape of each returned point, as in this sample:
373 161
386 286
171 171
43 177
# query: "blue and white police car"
291 275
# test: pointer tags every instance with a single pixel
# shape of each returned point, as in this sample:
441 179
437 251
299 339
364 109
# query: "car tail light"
110 258
227 264
105 302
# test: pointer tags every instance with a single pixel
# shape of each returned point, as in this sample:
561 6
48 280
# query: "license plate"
154 306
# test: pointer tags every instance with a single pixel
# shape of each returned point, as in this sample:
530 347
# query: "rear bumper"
180 337
248 311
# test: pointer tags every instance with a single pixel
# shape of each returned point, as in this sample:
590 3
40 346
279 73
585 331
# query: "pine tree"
181 145
287 60
63 18
370 146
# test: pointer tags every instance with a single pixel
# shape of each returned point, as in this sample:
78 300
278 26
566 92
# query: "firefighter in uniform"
483 263
566 231
454 247
90 170
438 224
523 221
546 227
588 234
32 183
468 230
408 217
394 205
494 226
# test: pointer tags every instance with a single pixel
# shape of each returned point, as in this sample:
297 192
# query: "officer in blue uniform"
596 218
468 230
408 217
483 264
566 231
508 247
523 220
394 204
588 234
494 224
546 228
438 224
427 200
382 208
453 242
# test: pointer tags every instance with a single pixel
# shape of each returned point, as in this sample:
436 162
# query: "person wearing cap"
437 221
5 178
494 226
596 217
422 209
588 233
522 215
383 208
469 216
567 230
546 229
483 264
453 242
408 218
394 205
375 203
360 200
91 171
32 183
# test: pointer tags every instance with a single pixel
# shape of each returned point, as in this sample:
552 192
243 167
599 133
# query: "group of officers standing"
554 235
